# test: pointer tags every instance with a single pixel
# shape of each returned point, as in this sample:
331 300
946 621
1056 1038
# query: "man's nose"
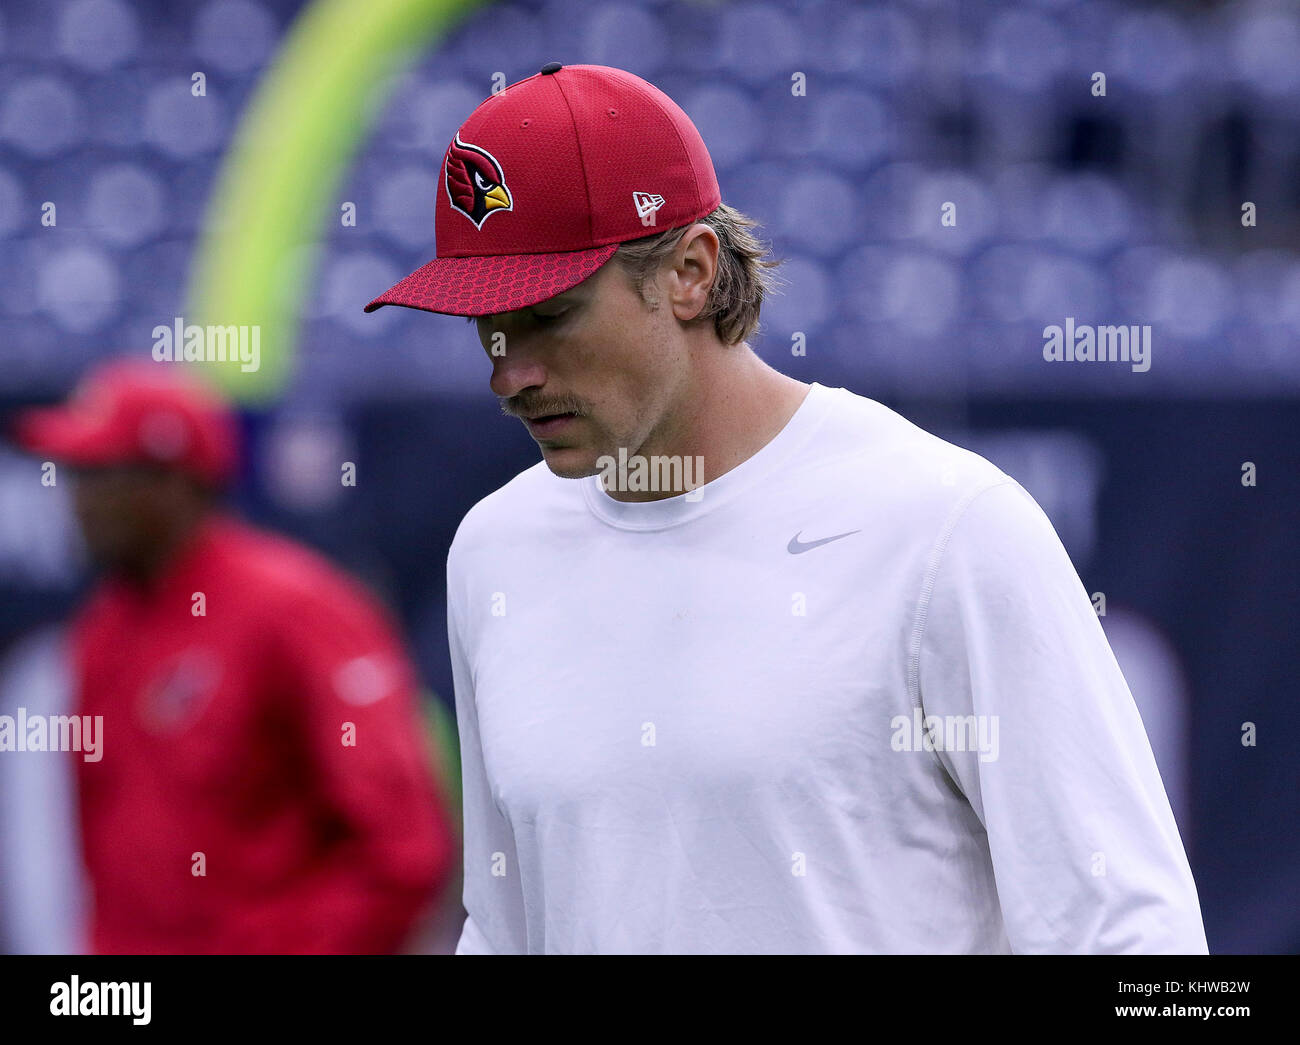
514 370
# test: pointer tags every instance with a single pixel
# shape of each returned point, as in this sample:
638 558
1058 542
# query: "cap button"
552 67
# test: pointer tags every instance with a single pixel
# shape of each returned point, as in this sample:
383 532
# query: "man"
262 785
848 695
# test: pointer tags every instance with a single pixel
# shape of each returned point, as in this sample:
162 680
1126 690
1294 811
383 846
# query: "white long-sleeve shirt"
690 725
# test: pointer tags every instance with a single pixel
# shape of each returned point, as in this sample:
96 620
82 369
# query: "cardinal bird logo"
475 183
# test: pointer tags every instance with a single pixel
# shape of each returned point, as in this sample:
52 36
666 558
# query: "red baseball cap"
544 181
131 412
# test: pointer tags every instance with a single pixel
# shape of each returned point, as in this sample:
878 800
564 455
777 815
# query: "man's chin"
569 462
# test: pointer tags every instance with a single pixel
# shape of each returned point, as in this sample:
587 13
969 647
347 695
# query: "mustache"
527 406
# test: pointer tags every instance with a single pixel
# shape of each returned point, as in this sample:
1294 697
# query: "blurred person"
263 782
748 665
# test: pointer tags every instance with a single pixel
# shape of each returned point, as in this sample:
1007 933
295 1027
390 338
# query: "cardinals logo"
475 183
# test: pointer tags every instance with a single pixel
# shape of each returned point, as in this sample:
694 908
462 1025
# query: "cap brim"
64 435
485 286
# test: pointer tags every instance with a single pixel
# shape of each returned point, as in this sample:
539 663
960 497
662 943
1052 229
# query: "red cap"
546 178
129 412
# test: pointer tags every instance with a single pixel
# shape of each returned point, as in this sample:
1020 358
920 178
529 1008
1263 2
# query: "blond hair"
741 280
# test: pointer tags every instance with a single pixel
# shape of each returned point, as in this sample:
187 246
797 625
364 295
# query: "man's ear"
694 268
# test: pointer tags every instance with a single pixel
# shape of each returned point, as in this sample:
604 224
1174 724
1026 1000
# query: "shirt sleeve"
493 896
1085 851
387 844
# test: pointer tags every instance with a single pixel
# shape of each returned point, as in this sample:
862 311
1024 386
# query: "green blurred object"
278 188
446 749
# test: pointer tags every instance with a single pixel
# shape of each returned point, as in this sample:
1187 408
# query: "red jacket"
265 784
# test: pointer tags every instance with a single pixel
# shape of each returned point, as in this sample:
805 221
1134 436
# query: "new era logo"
646 205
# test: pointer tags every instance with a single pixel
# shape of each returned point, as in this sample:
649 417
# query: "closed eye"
546 320
541 318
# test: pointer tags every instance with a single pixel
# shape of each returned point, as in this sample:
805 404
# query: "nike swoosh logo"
796 546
